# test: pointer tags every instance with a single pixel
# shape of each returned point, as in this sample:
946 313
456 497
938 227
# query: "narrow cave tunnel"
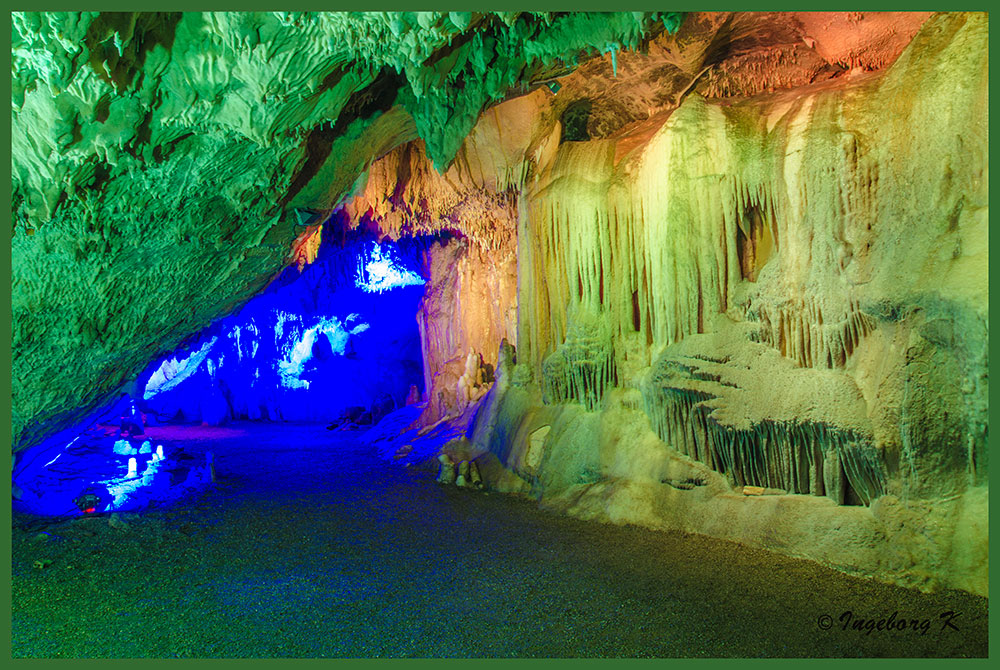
499 334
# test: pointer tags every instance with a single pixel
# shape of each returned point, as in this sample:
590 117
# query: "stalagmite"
475 479
463 474
446 471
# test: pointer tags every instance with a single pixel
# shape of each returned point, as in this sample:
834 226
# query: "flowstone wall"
763 318
790 292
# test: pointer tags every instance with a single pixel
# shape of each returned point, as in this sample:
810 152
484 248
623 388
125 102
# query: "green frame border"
382 5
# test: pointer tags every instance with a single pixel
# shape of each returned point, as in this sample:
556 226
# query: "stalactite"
795 455
797 330
582 368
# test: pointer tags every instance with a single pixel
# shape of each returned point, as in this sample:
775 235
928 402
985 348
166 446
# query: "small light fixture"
87 503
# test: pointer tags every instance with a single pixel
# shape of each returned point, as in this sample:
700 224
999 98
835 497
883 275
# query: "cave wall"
785 291
470 302
154 156
330 336
790 291
874 230
469 307
188 151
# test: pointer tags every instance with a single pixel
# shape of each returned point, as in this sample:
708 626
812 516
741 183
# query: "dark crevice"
103 108
574 122
332 79
402 175
601 284
102 171
720 48
754 246
141 140
636 320
377 97
161 151
140 32
457 43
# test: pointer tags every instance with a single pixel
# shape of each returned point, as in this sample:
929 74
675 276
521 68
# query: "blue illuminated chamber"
340 334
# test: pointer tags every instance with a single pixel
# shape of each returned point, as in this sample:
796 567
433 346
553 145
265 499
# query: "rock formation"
734 253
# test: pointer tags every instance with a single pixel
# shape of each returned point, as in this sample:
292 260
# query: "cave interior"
723 273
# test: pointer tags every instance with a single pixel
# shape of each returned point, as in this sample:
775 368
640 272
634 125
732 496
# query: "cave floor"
310 546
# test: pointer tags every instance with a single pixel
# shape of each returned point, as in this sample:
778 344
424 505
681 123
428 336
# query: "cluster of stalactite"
581 369
800 331
797 457
659 255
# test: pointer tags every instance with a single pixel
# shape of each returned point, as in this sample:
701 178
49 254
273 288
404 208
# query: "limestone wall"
791 293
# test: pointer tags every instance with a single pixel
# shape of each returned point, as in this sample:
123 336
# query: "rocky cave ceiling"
164 164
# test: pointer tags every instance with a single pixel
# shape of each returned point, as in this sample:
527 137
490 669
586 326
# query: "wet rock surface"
310 545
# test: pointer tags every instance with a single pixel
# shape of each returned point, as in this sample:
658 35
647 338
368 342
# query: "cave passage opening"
333 341
337 339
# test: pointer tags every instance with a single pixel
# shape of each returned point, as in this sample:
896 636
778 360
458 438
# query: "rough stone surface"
811 264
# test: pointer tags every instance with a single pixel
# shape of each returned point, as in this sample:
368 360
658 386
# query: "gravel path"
312 547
